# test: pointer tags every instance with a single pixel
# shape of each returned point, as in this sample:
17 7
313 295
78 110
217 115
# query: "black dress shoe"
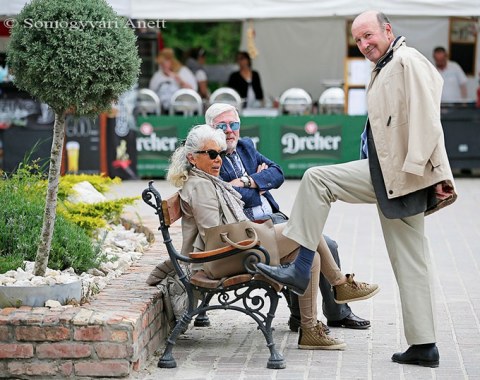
425 355
288 275
351 321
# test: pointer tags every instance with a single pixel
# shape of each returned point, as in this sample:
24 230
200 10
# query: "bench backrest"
171 209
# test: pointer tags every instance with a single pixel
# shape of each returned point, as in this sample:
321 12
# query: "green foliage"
221 40
20 222
73 55
93 216
22 196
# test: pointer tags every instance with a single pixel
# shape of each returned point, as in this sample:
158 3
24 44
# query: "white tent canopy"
266 9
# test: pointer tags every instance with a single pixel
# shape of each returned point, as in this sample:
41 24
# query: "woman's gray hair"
217 109
198 136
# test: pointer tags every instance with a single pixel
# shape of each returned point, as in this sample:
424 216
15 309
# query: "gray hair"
217 109
382 20
198 136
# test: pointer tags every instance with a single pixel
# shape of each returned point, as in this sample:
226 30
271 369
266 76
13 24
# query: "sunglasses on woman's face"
234 126
213 154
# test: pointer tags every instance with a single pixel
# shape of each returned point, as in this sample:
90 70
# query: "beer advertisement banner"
308 144
157 139
294 142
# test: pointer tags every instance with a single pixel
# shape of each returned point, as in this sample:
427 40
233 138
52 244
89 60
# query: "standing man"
407 175
253 175
454 79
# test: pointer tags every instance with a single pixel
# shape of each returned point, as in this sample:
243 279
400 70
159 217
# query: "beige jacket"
404 113
201 208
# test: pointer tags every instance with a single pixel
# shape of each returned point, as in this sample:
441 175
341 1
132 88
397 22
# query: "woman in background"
170 77
247 82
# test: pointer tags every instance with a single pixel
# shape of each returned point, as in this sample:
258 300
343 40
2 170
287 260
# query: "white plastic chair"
332 101
226 95
147 102
295 101
186 101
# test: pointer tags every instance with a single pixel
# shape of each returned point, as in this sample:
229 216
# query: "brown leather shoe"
314 338
294 324
353 290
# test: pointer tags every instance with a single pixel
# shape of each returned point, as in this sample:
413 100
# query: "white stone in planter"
84 192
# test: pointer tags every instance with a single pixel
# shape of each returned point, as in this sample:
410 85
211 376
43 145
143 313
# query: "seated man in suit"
253 175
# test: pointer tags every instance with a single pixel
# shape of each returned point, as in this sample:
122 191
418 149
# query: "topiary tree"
78 57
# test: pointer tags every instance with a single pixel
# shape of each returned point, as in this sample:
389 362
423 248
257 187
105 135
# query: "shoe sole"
419 362
370 295
339 346
353 327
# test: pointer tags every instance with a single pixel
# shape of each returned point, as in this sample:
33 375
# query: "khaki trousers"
406 243
323 261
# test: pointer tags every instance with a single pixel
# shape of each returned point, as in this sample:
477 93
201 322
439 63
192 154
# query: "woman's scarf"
232 197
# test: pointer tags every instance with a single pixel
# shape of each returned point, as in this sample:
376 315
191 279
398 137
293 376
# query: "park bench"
247 293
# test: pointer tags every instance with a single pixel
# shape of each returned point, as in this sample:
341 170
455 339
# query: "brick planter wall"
113 335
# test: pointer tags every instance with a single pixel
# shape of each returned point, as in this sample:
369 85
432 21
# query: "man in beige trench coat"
406 173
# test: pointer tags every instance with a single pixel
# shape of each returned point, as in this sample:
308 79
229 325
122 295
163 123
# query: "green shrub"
21 218
22 196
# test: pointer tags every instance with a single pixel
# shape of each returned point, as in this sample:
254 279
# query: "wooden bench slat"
171 209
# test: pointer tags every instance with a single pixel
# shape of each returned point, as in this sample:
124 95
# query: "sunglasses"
234 126
213 154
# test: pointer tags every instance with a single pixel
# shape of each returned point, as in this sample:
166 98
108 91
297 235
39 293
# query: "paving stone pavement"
232 348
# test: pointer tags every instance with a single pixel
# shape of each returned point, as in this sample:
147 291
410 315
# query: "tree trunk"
43 251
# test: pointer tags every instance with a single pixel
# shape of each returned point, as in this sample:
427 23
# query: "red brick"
110 368
111 351
3 319
33 319
119 336
63 350
42 333
8 310
66 368
16 351
32 369
19 317
4 334
92 333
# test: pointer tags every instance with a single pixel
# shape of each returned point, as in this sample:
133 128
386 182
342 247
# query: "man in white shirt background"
454 79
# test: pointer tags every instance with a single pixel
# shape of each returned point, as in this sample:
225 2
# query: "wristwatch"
246 181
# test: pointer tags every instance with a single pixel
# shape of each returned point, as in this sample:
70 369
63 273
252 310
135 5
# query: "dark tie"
233 160
239 172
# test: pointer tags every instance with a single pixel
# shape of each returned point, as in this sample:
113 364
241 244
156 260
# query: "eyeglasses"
213 154
234 126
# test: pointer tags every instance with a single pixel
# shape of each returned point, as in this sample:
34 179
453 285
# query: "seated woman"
207 201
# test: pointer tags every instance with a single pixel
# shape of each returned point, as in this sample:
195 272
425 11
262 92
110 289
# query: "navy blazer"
267 179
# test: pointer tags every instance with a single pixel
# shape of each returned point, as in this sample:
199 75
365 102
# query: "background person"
253 176
454 79
170 77
247 82
196 62
407 174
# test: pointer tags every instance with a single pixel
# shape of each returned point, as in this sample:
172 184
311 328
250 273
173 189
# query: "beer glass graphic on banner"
73 155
